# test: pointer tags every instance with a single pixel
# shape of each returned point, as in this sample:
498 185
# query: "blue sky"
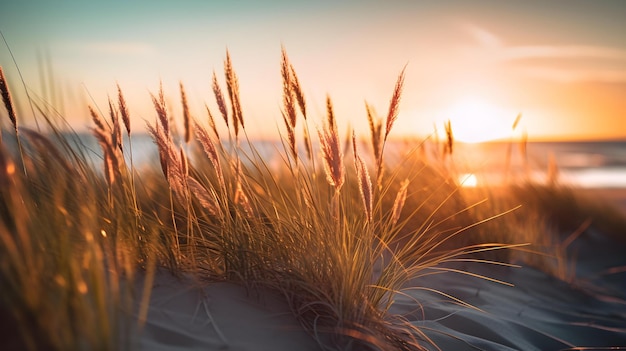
561 63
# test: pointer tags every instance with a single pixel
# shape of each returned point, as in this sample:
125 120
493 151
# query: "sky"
561 64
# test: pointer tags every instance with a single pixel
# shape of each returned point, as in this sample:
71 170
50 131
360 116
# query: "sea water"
587 164
595 164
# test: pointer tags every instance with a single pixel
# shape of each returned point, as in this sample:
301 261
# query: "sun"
475 120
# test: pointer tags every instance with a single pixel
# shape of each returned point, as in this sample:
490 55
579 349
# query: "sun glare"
468 180
475 120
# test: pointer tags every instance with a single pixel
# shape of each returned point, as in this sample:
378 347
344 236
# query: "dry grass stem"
516 122
45 144
164 147
449 147
206 199
291 137
240 198
365 183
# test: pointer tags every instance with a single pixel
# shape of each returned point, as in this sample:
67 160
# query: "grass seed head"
289 106
394 103
375 125
97 120
398 203
205 198
6 98
219 99
211 152
232 86
297 91
212 122
184 163
331 150
123 109
112 163
116 133
186 114
161 109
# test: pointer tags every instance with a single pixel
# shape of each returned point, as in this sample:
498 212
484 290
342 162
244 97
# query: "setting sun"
475 120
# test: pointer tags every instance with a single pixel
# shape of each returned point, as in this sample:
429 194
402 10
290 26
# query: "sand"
538 312
186 315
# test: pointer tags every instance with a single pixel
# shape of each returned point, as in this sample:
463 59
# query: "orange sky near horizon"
562 64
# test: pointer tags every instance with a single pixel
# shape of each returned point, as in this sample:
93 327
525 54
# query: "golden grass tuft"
72 246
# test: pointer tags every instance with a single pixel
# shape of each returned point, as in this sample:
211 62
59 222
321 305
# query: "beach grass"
333 227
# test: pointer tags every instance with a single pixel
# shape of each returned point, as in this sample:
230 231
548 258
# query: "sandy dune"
538 312
219 316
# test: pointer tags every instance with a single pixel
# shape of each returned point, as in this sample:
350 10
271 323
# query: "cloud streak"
563 51
592 62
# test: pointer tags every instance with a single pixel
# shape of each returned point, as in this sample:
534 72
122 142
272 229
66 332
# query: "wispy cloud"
483 36
592 62
563 51
564 75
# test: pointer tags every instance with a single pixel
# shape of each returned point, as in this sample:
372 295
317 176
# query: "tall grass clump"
339 241
63 248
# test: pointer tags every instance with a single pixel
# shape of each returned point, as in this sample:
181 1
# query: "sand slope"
220 316
539 312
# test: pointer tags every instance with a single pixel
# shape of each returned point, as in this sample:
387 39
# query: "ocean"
586 164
